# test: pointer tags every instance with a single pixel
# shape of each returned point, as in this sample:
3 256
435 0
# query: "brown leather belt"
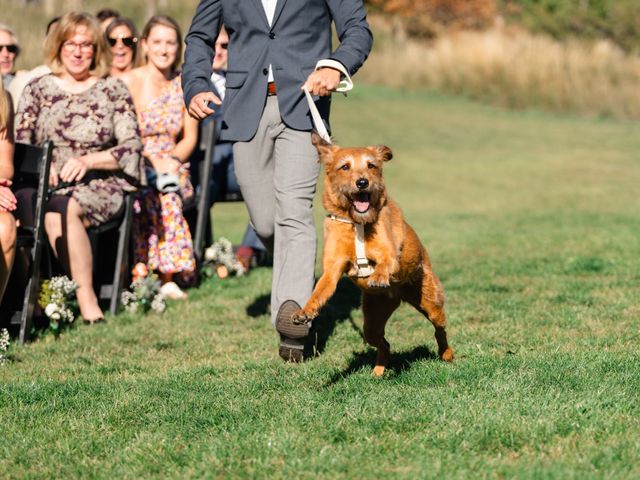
271 88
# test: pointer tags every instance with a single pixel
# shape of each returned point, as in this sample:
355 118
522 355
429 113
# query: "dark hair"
127 22
106 13
51 23
169 22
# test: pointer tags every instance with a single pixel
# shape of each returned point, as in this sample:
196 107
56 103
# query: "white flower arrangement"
57 298
4 344
144 292
220 255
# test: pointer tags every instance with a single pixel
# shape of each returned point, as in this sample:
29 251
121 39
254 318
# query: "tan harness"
364 268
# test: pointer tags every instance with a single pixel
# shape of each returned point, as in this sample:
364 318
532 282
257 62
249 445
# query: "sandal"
172 291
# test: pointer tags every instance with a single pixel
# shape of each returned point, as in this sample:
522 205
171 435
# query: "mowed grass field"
532 221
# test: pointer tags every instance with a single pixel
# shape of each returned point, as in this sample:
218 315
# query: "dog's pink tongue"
361 202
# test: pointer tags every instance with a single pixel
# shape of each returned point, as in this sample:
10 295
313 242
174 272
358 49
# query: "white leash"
346 85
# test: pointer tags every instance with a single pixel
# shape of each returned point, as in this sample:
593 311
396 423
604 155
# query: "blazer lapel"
279 7
261 12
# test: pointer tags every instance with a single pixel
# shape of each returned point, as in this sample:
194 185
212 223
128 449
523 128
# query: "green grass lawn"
532 221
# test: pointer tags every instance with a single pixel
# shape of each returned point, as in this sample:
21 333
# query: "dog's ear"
324 148
382 152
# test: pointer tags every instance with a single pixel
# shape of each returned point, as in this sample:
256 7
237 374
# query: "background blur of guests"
22 78
7 199
90 118
123 40
106 16
9 50
162 239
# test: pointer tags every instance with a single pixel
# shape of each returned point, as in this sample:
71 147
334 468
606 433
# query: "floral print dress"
100 118
161 234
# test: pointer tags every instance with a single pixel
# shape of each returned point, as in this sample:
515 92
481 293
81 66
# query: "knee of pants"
265 228
296 211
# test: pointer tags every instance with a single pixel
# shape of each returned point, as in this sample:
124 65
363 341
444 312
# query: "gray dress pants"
277 171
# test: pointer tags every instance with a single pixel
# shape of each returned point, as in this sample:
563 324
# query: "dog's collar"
362 264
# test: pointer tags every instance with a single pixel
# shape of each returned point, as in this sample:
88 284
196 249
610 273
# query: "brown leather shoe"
292 336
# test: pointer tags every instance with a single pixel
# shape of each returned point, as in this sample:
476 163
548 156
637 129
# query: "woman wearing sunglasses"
122 37
9 51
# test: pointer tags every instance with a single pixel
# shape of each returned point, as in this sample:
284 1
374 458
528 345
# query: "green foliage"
618 20
531 221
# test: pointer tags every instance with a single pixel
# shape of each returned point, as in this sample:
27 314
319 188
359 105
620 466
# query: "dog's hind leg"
377 309
428 298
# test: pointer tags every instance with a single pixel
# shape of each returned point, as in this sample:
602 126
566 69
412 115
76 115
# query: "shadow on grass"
344 301
260 306
400 362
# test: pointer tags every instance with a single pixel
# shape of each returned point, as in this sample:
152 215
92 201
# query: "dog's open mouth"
361 201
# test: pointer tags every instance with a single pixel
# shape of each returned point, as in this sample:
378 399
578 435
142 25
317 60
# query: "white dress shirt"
219 81
270 10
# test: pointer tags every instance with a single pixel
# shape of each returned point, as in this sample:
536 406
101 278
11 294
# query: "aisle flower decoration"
58 301
4 344
144 293
220 259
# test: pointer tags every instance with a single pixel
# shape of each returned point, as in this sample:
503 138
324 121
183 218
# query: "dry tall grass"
514 69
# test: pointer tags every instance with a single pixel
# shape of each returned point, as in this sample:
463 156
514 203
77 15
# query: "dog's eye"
372 165
345 167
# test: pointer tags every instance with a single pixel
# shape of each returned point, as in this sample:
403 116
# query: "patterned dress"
100 118
161 234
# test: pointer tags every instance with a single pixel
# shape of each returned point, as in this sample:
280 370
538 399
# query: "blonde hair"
65 29
169 22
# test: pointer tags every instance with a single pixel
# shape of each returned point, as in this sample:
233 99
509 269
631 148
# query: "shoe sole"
292 336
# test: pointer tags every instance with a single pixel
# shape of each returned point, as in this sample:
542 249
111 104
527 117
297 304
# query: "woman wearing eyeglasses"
123 40
9 51
90 118
161 235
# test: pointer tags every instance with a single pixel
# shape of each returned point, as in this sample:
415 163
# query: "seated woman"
161 235
91 121
123 40
7 199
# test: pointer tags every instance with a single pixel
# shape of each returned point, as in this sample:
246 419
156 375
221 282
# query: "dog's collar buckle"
364 268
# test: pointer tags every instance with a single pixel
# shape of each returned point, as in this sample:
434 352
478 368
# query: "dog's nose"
362 183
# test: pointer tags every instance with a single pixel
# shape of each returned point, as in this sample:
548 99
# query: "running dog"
366 237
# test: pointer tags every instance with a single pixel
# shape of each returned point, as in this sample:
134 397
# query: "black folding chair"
31 170
108 240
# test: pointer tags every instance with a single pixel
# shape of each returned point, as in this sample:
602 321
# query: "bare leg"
377 309
8 245
71 244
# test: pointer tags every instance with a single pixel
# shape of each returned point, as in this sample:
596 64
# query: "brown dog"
355 197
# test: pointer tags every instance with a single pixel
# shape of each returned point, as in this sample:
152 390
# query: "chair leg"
122 259
31 292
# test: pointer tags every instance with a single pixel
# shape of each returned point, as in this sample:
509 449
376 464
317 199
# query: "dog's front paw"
304 316
378 280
